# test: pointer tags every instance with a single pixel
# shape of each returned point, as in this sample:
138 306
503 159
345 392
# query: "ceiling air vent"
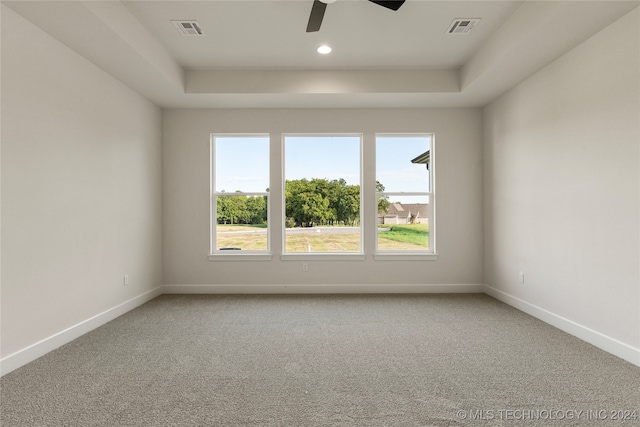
188 28
462 26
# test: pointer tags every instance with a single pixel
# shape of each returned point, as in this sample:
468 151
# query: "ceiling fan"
319 6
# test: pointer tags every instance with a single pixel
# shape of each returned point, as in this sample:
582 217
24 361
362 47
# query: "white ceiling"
272 34
256 53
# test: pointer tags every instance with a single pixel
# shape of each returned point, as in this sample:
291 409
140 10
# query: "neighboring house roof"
424 158
395 209
403 210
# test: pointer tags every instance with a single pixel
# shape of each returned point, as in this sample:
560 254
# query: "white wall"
81 199
562 194
458 136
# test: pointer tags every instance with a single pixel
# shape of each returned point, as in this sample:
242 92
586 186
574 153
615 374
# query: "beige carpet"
341 360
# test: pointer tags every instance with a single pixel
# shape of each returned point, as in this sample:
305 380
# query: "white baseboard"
34 351
604 342
322 289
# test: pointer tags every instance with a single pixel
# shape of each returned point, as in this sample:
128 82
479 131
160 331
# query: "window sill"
241 257
406 256
323 257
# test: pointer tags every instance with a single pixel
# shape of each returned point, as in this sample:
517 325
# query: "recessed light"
324 49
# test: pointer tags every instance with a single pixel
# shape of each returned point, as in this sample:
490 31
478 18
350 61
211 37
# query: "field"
391 237
252 237
404 237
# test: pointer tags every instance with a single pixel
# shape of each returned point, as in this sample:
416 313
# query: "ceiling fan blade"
389 4
317 13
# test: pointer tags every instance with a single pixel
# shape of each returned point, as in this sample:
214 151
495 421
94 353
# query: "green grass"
414 236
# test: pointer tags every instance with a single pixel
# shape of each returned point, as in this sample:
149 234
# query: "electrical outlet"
125 280
521 277
305 267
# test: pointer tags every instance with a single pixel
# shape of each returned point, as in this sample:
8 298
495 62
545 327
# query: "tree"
293 203
256 210
320 201
347 204
383 201
307 202
315 208
231 209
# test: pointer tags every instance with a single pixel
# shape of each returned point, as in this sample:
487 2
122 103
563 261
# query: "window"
322 176
321 180
239 194
404 189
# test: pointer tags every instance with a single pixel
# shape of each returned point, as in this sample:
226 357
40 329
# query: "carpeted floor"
318 360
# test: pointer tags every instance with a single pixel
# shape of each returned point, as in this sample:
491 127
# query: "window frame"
427 254
326 256
368 220
241 255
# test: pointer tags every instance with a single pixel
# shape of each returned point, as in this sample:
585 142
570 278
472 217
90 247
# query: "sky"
393 163
330 157
242 163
